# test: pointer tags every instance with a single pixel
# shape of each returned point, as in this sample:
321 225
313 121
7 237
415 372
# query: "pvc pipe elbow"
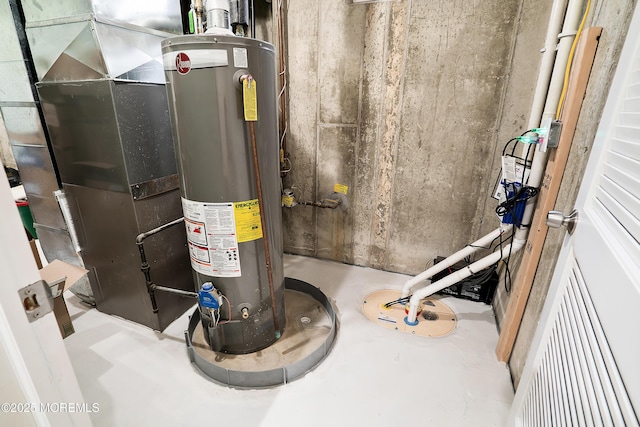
517 244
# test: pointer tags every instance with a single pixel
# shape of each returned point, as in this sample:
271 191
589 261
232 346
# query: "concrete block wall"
401 101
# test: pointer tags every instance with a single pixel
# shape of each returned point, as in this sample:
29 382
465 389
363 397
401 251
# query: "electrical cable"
504 149
509 206
286 169
500 246
228 309
506 288
507 276
520 195
485 247
429 264
567 70
403 300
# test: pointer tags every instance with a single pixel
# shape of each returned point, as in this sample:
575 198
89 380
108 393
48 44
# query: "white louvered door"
584 365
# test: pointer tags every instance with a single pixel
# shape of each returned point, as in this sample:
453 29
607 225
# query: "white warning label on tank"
211 234
240 59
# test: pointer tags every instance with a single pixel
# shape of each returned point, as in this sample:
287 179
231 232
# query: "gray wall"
402 102
409 103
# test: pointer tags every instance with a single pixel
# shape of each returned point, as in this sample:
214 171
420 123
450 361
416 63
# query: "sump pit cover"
435 320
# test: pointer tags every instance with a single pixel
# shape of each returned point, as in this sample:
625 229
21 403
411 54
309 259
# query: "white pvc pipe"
459 275
569 30
551 85
197 17
546 62
571 23
456 257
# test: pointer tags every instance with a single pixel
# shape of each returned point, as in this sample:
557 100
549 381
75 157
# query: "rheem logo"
183 63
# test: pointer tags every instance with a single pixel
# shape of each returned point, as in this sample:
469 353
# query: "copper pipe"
283 100
324 203
198 9
265 240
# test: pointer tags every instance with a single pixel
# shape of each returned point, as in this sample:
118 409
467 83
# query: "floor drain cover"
435 320
308 337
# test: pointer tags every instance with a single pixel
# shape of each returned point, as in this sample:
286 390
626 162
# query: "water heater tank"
218 184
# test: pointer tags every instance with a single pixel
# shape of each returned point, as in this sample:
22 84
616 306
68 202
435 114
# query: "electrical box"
555 129
549 134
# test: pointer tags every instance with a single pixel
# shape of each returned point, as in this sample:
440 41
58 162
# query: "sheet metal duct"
112 141
162 15
94 48
102 93
217 181
19 105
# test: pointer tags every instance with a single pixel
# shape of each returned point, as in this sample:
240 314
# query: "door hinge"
37 300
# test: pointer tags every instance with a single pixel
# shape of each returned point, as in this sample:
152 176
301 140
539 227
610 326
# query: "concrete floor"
372 377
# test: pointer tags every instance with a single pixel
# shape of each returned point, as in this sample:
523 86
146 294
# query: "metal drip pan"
308 337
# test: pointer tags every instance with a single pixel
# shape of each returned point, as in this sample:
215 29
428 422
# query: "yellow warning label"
287 201
340 188
247 215
250 100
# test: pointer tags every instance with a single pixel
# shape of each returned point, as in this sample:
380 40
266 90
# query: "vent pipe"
218 19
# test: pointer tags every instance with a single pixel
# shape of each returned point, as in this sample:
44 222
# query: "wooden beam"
579 77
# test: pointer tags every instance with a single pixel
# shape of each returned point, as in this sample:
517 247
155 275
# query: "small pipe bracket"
567 34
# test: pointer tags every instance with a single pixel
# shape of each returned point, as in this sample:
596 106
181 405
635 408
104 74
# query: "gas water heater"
222 99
